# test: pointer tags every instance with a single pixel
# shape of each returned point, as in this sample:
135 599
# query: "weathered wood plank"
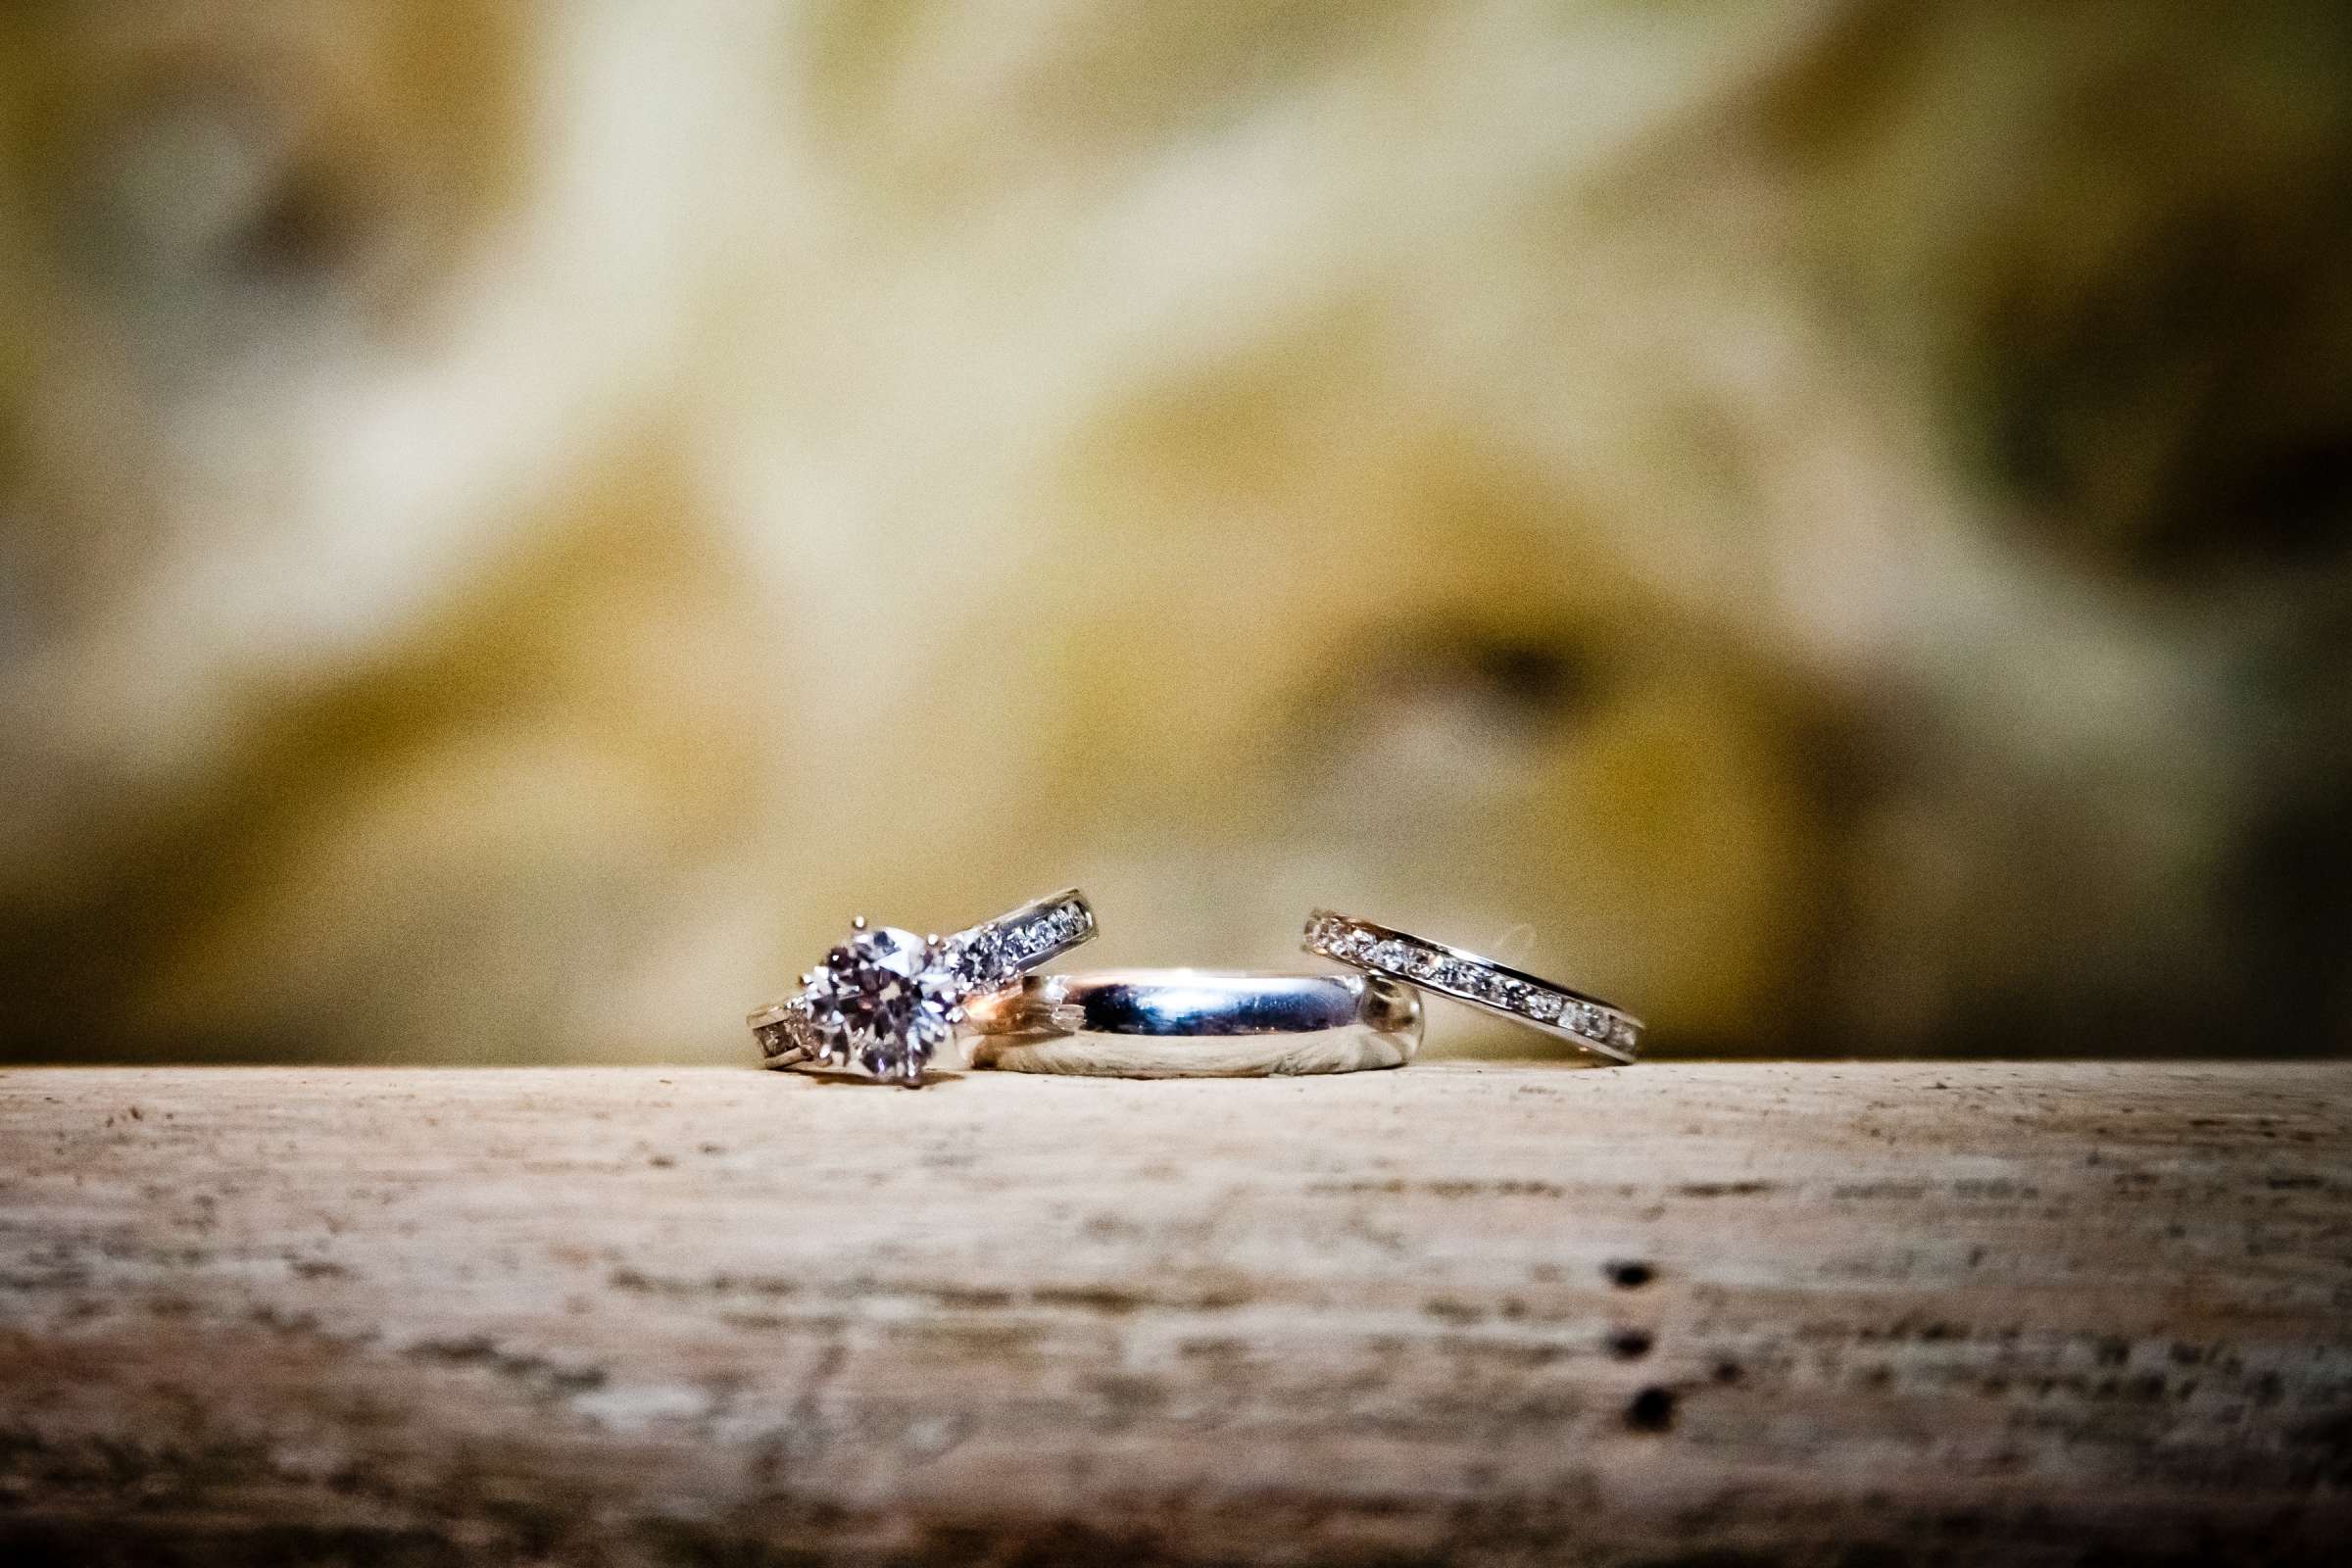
1914 1314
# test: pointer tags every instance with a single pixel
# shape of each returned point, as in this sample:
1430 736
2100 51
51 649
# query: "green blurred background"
1824 521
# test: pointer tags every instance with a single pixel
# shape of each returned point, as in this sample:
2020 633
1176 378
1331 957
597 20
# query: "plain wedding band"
1195 1023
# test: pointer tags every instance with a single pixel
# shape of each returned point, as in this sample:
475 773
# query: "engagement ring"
889 1001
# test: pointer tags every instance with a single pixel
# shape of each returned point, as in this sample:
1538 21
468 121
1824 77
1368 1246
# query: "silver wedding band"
1195 1023
1599 1027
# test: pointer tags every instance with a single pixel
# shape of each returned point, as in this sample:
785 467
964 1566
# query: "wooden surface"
1670 1314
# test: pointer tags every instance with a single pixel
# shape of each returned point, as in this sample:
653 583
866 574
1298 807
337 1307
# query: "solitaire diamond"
886 1000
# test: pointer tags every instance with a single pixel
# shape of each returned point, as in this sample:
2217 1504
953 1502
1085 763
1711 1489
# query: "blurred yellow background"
1824 521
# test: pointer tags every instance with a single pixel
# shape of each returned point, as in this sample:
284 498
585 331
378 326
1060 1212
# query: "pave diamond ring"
1595 1025
1197 1023
888 1001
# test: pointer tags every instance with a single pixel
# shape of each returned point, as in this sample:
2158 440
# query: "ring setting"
890 1001
1599 1027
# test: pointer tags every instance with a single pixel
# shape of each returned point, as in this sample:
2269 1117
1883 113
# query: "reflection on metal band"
1197 1023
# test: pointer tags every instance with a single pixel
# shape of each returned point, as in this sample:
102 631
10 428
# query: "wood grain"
1671 1314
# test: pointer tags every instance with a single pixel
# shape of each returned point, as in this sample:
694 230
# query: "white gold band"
1195 1023
1598 1026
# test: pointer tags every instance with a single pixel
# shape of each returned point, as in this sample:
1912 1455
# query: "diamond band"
889 1001
1590 1022
997 953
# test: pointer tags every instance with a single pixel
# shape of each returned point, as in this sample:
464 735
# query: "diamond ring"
1197 1023
887 1000
1595 1025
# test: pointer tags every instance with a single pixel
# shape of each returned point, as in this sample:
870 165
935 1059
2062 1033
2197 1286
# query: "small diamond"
1505 992
1352 942
1622 1033
1544 1005
979 960
1391 955
1425 963
1456 976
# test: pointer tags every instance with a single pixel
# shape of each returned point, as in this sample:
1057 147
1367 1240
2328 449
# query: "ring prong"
931 941
856 922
